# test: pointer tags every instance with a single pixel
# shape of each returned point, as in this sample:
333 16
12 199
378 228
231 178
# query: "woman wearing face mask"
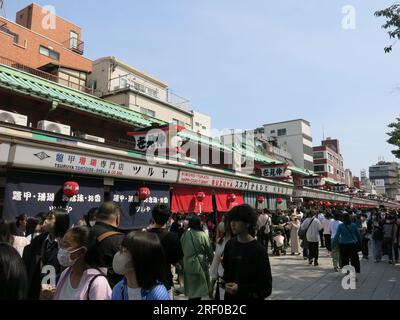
142 262
80 281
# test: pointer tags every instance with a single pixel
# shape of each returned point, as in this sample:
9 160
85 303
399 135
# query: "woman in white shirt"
216 268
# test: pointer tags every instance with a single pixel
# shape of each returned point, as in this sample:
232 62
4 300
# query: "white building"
116 81
294 137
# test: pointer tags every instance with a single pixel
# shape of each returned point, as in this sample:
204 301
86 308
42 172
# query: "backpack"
91 282
266 228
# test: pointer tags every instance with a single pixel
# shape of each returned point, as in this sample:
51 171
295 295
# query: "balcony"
44 75
131 82
75 45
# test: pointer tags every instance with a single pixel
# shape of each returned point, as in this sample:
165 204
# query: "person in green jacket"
197 255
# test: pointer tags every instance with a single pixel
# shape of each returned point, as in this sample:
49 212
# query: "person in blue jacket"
141 261
349 240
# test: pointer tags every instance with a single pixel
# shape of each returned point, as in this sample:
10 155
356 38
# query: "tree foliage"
395 137
392 15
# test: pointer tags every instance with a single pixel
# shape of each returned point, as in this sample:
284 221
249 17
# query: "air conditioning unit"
91 138
13 118
54 127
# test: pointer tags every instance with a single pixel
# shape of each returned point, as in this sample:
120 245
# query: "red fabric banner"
223 202
184 200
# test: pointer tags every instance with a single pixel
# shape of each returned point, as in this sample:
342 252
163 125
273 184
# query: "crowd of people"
44 257
346 234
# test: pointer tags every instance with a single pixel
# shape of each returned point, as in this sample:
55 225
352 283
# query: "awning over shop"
184 200
227 200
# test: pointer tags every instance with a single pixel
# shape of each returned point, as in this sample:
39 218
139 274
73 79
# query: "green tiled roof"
332 181
301 171
33 85
195 137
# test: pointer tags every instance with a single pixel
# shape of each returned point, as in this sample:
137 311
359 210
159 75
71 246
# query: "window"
281 132
148 112
330 169
73 40
178 122
337 172
330 157
204 127
319 155
319 168
49 53
198 124
272 131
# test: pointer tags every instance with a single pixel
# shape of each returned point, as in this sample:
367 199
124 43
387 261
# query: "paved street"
295 279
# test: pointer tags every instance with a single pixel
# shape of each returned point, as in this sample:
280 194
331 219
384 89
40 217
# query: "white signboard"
4 152
147 139
379 183
34 157
199 179
267 188
275 172
313 182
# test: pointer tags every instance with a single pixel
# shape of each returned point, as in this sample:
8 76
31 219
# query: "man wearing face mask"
80 280
108 237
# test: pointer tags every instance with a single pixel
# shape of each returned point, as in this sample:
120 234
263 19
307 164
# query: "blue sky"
247 63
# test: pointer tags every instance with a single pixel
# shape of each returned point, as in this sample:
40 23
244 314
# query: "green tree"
392 15
395 137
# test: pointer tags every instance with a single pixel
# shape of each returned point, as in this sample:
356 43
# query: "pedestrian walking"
376 224
264 225
13 277
390 238
169 241
197 256
247 271
327 232
349 240
312 226
81 280
141 261
294 227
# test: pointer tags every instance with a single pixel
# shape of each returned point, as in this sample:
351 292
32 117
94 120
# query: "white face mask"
120 263
92 223
64 257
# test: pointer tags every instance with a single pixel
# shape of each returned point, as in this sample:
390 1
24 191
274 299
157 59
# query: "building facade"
116 81
294 137
328 162
45 45
349 178
386 175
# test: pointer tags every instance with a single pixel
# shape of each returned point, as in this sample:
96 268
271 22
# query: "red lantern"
200 196
232 197
335 204
328 204
310 203
279 200
143 193
321 203
70 189
260 199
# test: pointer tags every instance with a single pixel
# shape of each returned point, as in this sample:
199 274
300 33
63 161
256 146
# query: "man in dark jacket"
109 239
169 241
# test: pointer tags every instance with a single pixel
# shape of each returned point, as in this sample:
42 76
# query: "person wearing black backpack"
108 238
169 241
263 227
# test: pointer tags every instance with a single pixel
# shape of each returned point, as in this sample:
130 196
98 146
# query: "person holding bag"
349 240
197 253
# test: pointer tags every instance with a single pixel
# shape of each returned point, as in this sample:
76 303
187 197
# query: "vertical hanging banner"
31 193
136 214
